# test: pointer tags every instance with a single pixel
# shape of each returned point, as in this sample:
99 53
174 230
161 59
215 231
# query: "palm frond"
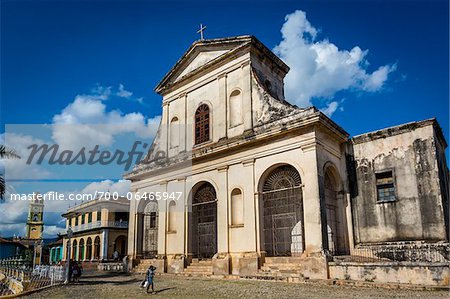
8 153
2 187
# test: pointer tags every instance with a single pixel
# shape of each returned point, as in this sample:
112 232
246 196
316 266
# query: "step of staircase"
199 267
143 265
281 266
283 260
203 262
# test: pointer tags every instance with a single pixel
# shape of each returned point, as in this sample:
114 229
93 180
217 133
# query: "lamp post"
40 252
69 235
34 254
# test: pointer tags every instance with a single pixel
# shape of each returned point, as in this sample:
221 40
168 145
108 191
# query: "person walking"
150 275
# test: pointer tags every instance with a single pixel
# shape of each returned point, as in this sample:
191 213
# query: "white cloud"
123 93
377 78
12 210
8 230
121 187
51 231
87 122
319 69
83 122
330 108
17 168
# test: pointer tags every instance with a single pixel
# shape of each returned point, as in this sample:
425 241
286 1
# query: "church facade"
266 186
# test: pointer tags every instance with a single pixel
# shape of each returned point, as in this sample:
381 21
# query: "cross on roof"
202 28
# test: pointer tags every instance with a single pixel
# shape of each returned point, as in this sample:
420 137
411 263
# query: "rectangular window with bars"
385 186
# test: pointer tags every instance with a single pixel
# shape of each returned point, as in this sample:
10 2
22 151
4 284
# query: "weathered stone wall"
418 210
411 273
441 145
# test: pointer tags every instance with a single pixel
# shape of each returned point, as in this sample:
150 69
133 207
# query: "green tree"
5 153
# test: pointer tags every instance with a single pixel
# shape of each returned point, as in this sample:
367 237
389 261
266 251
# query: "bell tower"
35 221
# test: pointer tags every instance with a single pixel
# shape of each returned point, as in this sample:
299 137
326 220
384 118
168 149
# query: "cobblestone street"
121 286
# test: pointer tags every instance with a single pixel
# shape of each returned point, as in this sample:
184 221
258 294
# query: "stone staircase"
282 266
143 265
199 268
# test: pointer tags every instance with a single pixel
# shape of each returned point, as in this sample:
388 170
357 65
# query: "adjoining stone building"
268 187
99 227
401 184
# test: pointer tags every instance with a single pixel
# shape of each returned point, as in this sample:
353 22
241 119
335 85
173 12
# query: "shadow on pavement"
104 275
162 290
97 282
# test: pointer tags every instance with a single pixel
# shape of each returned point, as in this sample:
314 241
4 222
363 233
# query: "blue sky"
53 51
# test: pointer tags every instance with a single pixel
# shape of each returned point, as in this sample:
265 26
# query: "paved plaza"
104 285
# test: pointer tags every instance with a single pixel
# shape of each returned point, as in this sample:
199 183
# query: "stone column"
314 265
104 242
221 113
247 96
222 211
132 229
183 128
348 214
221 262
311 201
162 225
257 222
165 123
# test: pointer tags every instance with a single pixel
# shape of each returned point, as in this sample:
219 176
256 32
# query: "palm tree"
5 153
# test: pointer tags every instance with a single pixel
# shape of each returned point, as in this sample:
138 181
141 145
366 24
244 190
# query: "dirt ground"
104 285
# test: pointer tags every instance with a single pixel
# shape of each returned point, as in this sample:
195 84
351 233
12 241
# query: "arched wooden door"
282 209
150 229
203 222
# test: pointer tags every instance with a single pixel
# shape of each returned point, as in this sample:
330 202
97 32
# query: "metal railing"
99 224
86 226
20 279
398 252
118 224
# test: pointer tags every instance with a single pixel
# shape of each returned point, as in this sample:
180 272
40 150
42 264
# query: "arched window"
74 250
172 217
235 108
81 250
202 124
174 132
97 247
237 207
89 249
67 250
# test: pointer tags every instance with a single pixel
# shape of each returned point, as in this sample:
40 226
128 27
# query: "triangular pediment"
200 60
201 54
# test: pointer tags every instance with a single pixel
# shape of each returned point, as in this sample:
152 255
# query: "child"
149 275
